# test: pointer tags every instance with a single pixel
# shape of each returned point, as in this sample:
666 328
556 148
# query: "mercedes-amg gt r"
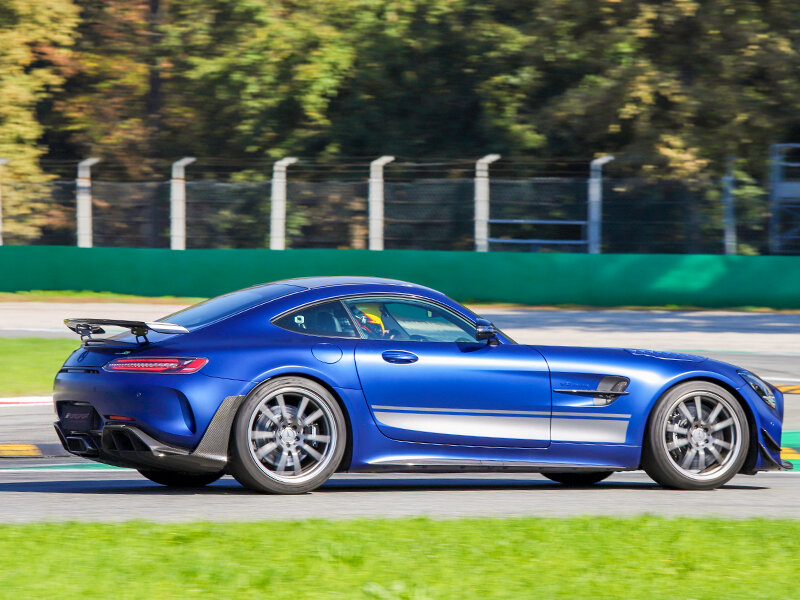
286 383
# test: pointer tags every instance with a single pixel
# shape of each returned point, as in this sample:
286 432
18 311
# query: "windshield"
229 304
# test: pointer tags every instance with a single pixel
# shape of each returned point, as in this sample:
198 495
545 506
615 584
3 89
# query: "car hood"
619 361
652 365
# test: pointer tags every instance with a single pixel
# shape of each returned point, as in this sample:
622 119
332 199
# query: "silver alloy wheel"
702 435
292 435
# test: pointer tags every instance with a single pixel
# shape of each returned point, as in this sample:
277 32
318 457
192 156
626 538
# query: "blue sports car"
286 383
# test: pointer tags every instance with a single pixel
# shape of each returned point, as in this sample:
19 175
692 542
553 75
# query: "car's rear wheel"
578 479
697 437
288 437
181 480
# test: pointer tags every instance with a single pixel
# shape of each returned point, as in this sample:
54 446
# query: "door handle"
399 357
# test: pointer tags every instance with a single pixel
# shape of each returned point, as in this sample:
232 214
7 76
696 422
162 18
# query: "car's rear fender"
175 409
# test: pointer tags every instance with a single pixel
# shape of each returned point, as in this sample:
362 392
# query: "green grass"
31 364
594 558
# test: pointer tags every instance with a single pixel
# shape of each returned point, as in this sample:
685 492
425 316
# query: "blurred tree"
34 50
343 77
674 87
111 104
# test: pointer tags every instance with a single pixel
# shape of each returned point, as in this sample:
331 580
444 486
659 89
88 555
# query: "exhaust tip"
80 445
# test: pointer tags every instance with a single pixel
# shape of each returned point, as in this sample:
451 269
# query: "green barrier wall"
535 278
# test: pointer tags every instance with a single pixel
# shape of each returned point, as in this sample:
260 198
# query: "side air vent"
614 386
608 389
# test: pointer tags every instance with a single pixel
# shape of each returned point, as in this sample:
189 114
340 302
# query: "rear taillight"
156 365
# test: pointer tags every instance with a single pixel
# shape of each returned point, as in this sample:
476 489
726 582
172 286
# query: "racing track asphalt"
768 343
116 495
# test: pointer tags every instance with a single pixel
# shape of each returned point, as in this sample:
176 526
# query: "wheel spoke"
685 412
282 404
312 417
265 449
295 461
677 444
701 459
317 437
282 462
698 406
311 451
722 425
714 413
687 460
715 453
267 412
673 428
258 436
302 409
722 443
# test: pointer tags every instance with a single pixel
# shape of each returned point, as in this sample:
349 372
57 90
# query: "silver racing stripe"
605 431
462 410
513 428
607 428
587 415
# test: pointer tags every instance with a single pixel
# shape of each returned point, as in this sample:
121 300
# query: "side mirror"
484 330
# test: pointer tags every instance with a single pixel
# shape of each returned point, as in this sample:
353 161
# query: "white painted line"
26 401
55 469
50 329
789 379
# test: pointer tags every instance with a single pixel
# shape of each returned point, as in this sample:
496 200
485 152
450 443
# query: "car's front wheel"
697 437
288 437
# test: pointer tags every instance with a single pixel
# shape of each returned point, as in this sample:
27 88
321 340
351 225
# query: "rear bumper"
125 445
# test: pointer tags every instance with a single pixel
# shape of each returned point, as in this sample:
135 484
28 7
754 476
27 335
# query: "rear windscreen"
229 304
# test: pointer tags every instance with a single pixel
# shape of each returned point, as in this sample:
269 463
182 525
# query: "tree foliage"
34 51
673 87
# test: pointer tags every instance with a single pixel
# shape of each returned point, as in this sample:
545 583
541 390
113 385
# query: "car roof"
345 280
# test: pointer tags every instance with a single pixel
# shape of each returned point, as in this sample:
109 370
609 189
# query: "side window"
328 319
407 319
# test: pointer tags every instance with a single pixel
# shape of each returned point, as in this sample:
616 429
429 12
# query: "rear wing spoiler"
88 327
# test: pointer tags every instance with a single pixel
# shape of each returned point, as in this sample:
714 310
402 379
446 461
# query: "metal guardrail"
539 241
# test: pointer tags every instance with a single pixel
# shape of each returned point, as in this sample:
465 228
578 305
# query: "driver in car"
368 316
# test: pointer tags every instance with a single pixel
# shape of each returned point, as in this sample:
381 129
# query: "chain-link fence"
423 209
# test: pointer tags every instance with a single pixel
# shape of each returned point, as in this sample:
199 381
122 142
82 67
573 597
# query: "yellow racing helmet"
369 318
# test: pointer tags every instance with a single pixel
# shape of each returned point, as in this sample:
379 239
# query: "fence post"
3 161
177 203
775 174
595 208
277 220
84 192
376 201
729 215
482 201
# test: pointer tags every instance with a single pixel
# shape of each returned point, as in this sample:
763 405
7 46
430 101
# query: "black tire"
676 437
578 479
277 414
181 480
